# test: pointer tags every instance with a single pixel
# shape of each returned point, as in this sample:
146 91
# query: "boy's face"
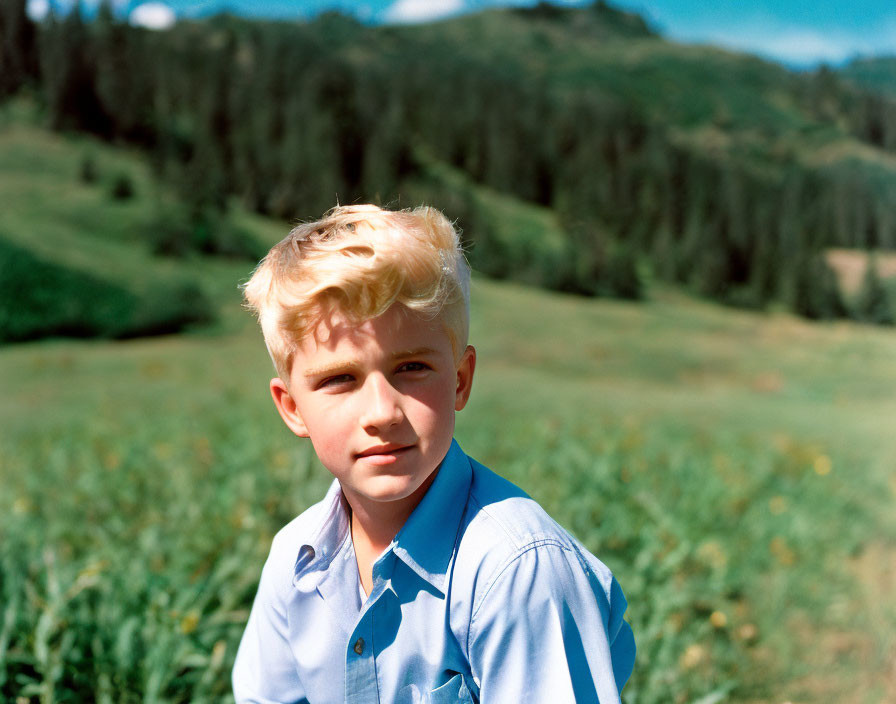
378 401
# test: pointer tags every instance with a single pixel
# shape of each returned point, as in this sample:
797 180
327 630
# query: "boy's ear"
286 407
465 368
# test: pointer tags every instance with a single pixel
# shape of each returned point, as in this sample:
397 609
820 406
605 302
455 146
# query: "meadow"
735 470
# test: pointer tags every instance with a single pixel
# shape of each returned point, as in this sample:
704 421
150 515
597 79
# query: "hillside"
640 159
79 260
877 74
727 104
66 234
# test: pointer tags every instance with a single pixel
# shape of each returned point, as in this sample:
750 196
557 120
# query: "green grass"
143 481
733 469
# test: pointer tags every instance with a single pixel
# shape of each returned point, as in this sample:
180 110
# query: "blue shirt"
480 597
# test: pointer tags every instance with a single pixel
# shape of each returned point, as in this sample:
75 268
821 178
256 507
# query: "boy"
422 576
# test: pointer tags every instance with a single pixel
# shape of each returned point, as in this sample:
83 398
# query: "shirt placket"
361 686
360 665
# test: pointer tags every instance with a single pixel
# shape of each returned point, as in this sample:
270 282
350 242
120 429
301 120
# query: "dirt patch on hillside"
850 265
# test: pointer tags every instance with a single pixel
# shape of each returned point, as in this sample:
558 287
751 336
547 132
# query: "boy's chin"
388 488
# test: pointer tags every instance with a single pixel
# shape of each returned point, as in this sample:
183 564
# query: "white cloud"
411 11
152 15
37 9
795 45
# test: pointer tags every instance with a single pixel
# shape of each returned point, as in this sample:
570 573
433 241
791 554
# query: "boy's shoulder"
518 573
502 524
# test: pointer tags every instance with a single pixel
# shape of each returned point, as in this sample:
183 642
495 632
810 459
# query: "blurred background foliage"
650 160
731 461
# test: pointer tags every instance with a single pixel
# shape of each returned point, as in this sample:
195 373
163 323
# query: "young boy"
422 576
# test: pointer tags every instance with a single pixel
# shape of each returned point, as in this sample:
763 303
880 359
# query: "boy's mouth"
388 450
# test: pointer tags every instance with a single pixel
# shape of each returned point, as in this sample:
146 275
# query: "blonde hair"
359 260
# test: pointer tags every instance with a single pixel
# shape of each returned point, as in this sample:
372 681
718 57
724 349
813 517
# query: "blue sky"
796 32
793 31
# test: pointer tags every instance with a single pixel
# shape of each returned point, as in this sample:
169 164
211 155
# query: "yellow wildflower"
777 505
782 552
822 465
189 622
693 656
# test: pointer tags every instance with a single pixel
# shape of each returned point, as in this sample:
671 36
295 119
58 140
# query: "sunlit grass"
143 482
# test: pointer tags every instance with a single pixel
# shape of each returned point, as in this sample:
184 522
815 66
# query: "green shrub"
122 187
622 279
43 299
176 233
172 305
87 171
873 303
816 290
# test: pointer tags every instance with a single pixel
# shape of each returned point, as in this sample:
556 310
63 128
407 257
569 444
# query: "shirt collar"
315 556
424 548
426 541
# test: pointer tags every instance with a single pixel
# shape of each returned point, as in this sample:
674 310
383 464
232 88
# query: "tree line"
292 117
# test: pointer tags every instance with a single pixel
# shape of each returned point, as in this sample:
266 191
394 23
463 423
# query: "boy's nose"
382 408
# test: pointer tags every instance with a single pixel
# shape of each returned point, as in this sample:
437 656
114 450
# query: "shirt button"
359 646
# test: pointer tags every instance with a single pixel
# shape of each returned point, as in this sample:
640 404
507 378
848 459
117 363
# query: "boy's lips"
388 450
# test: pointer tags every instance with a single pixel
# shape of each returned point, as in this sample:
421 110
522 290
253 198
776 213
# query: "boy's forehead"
392 329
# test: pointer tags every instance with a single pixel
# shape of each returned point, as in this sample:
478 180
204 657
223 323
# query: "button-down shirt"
480 597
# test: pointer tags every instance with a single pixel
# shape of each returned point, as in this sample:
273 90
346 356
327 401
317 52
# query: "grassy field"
735 470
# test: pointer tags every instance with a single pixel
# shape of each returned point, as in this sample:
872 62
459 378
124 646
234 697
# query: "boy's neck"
374 524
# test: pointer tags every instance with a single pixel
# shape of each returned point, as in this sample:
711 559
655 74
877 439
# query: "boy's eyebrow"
326 369
416 352
347 363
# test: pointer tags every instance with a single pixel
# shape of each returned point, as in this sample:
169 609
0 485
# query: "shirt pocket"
454 691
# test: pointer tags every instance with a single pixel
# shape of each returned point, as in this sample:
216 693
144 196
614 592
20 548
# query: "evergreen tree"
67 64
764 257
124 76
816 289
18 47
873 303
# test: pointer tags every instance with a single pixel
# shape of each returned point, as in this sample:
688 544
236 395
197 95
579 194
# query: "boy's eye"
413 367
336 380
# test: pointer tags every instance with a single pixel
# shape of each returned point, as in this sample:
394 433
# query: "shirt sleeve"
550 629
265 671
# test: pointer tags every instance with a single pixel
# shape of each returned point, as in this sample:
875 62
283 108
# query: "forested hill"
874 74
578 149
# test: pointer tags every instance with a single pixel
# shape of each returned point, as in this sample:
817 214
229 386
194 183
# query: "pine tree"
18 47
873 303
816 289
124 76
67 64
